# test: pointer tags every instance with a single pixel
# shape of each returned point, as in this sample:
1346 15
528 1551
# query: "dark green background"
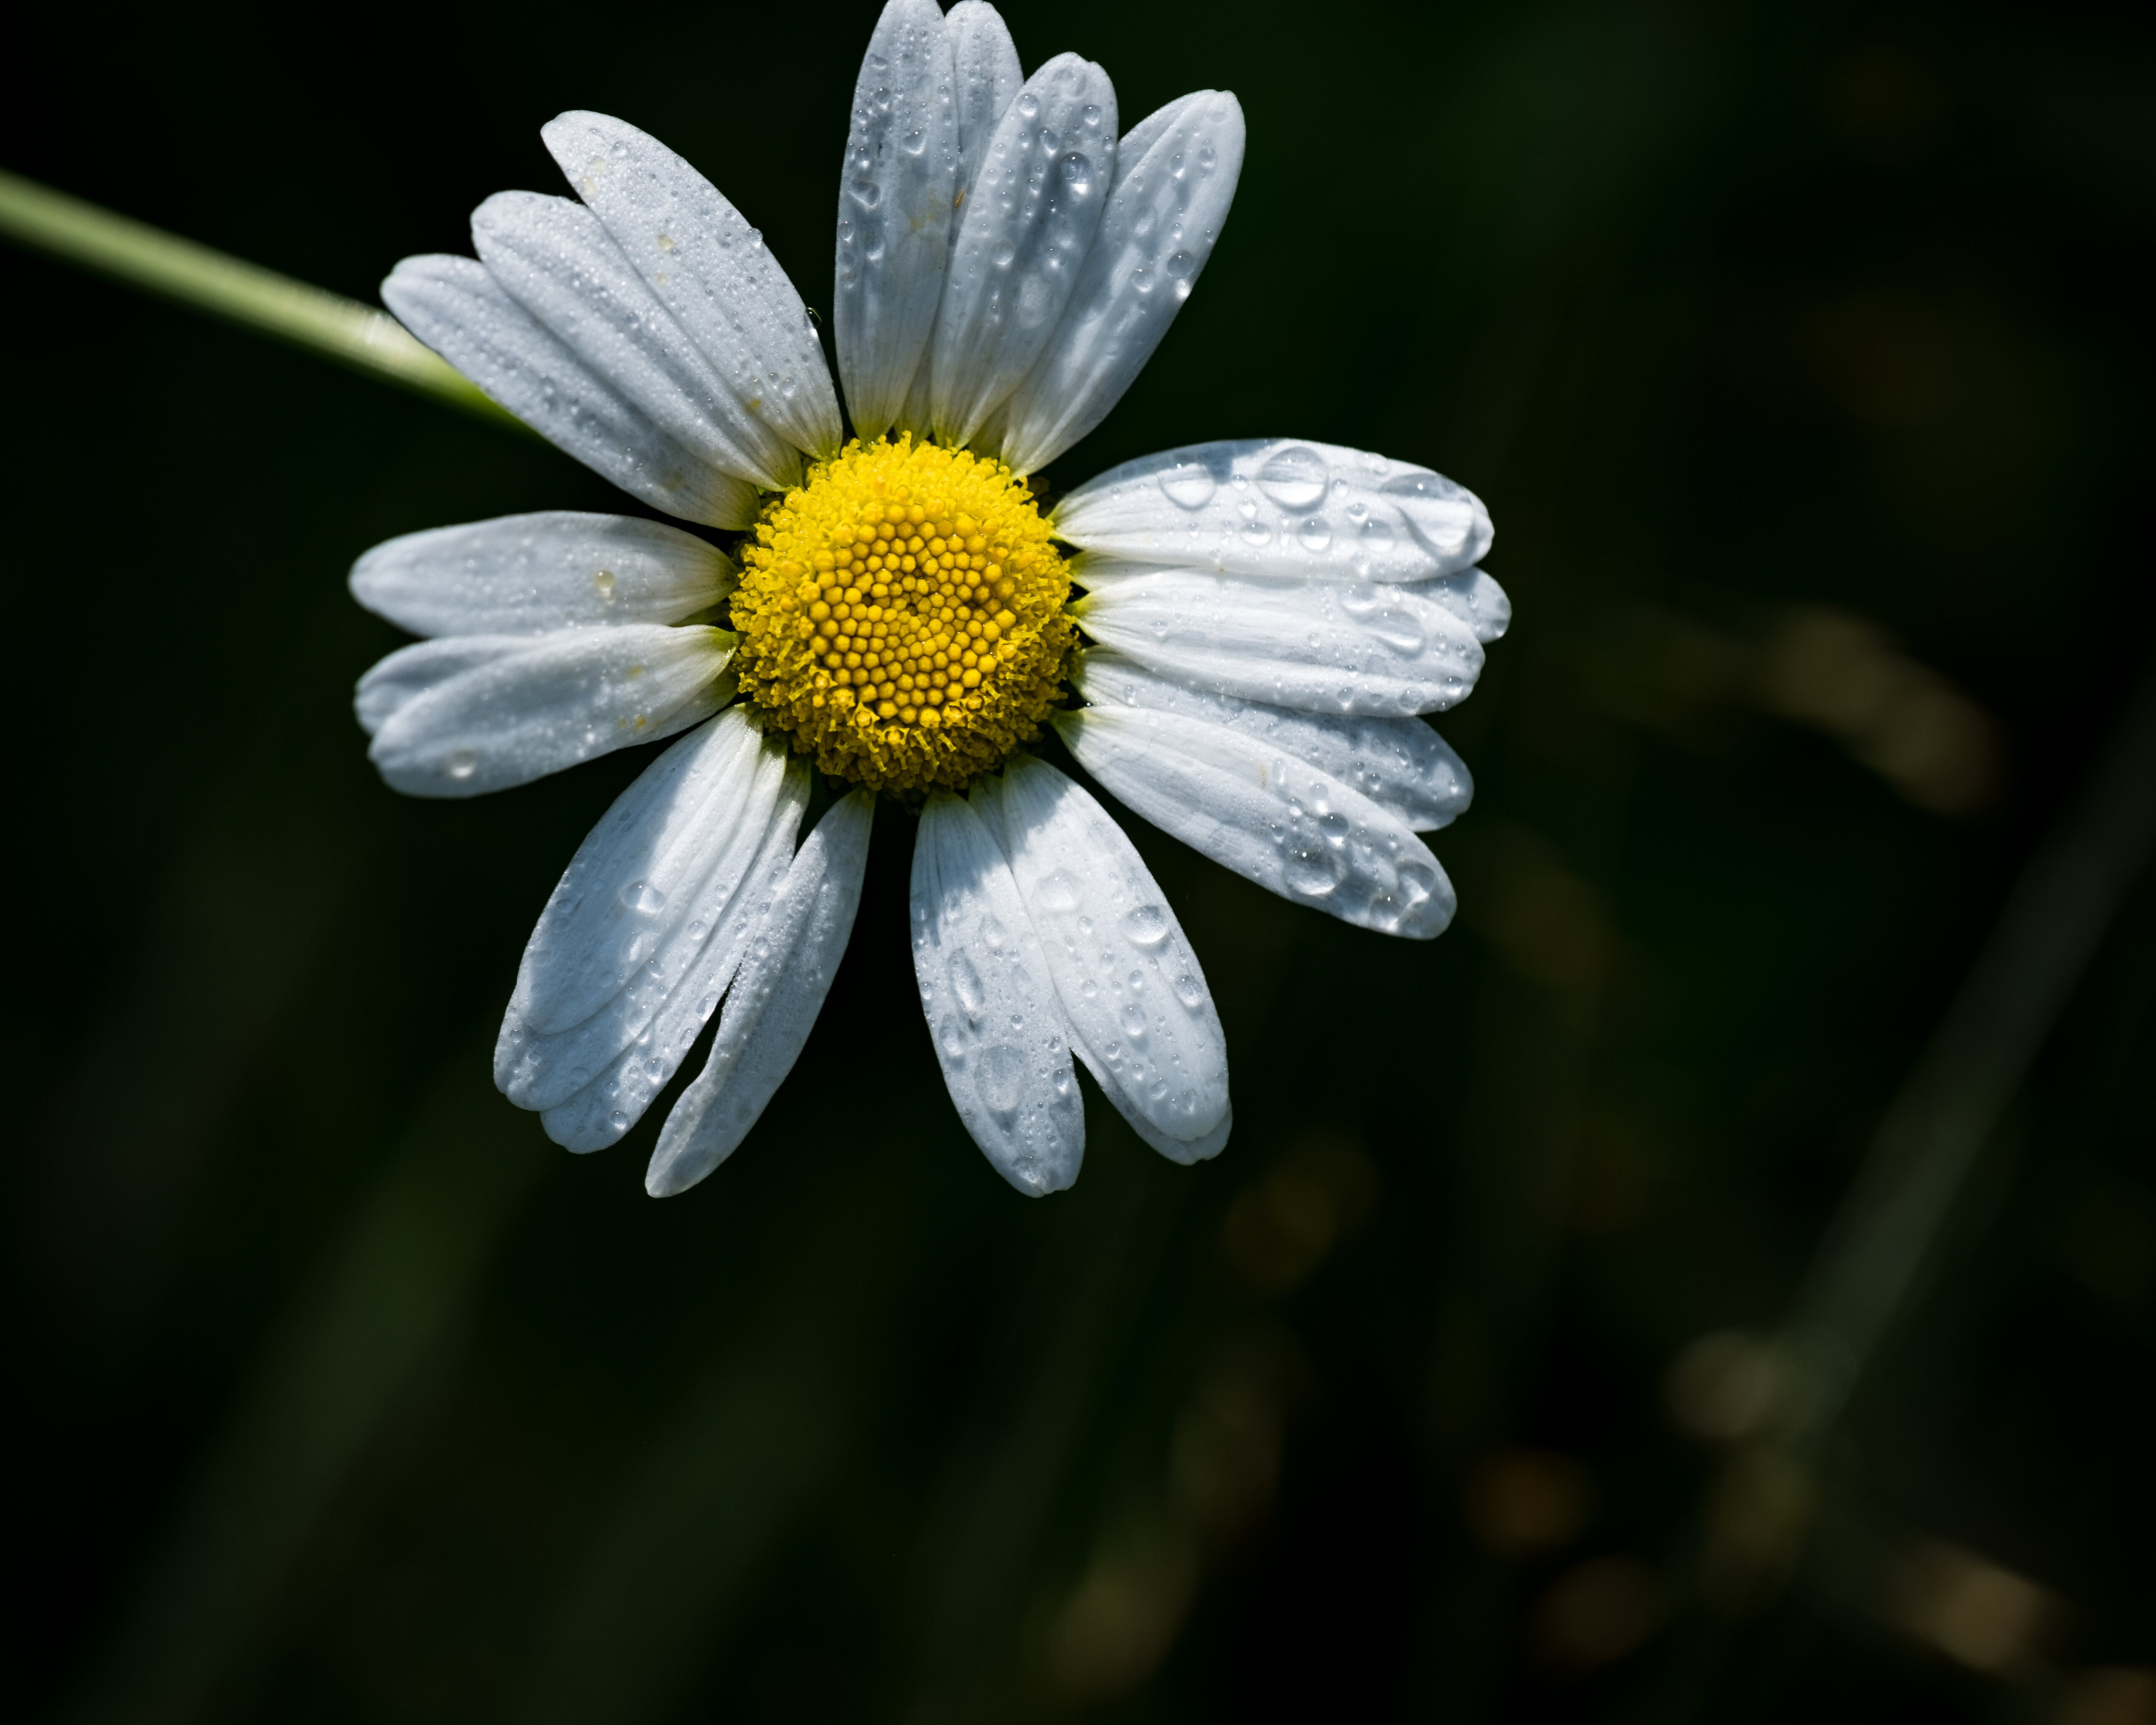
338 1392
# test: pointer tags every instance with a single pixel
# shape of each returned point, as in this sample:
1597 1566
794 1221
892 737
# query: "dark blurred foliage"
1802 352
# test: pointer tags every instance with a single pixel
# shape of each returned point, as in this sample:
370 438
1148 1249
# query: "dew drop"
1000 1078
642 897
1145 925
965 985
1188 484
1315 871
1058 895
1315 534
1296 478
462 764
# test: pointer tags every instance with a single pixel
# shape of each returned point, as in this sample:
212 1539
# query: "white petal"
499 718
709 268
1476 599
792 954
1271 817
895 196
1023 235
1175 177
638 1041
990 1004
412 671
558 262
989 75
533 574
1319 646
1141 1016
1279 506
1400 764
638 877
467 317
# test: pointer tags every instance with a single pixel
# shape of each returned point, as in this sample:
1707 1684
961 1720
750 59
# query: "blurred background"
1716 1280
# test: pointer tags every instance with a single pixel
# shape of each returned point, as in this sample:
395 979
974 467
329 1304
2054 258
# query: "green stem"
355 335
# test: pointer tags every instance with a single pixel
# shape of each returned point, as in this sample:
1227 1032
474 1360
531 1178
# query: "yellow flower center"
902 616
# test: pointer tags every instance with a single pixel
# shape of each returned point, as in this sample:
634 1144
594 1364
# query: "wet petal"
557 261
1318 646
697 813
990 1005
1023 235
495 718
710 270
792 954
1279 506
1271 817
637 1041
894 215
1140 1014
467 317
534 574
1175 177
1399 764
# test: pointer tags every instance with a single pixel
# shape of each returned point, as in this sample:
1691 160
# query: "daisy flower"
1261 621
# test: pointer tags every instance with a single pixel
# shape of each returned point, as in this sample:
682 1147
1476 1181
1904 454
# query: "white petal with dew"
500 719
639 874
412 671
990 1005
1271 817
533 574
895 212
1400 764
557 261
988 76
1023 236
1475 599
1318 646
1279 506
1141 1016
1175 177
467 317
638 1041
792 954
709 268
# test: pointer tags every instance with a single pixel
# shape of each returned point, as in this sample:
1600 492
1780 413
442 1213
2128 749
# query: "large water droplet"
1188 484
1314 870
1441 513
1146 926
1134 1022
1028 107
1058 895
1078 174
462 764
1315 534
1003 253
1000 1078
965 985
914 142
1294 478
866 192
642 897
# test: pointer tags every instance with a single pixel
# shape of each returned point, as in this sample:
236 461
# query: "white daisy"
1266 618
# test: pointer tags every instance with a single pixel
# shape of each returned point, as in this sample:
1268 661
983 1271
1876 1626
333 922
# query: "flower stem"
353 334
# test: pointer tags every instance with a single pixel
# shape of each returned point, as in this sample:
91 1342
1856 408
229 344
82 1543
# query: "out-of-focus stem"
356 335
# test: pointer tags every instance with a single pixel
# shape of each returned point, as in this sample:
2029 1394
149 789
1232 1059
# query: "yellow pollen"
902 616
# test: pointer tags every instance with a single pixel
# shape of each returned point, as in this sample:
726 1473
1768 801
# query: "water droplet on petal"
1188 484
1146 926
1294 478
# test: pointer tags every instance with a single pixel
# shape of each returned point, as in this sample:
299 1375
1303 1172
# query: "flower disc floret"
902 616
